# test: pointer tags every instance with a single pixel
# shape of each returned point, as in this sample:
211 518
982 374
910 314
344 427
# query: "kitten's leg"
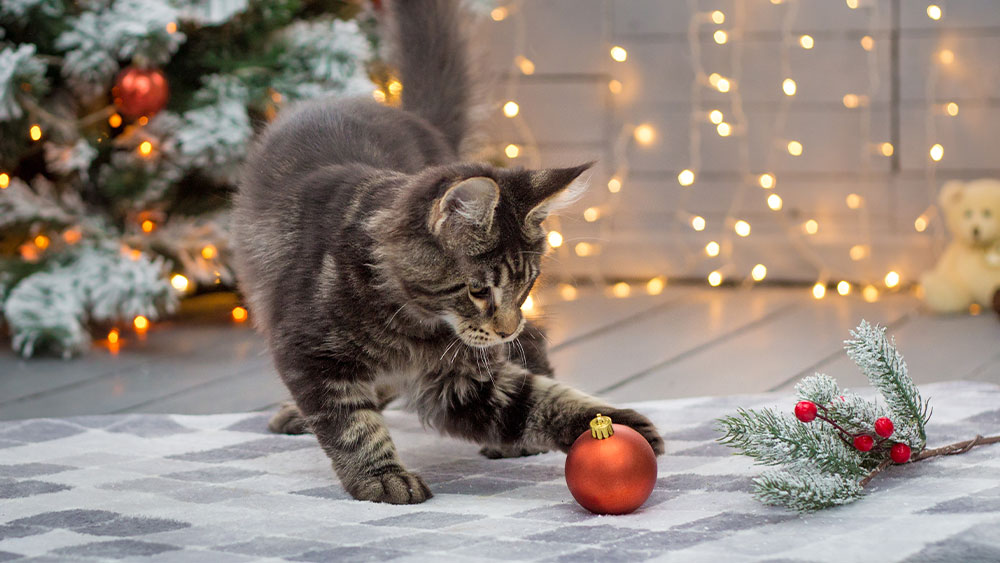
341 407
289 420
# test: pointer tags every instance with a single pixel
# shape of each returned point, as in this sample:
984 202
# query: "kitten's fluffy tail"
431 52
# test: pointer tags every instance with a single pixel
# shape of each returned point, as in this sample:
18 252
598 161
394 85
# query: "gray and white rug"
220 488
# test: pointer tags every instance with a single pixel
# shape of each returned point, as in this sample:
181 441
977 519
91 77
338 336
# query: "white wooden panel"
973 75
560 36
957 14
543 109
969 140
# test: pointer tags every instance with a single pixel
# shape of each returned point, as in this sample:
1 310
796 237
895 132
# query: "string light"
42 242
145 148
567 292
591 214
742 228
179 282
619 54
528 305
379 96
655 286
774 202
698 223
766 181
395 87
811 227
887 149
141 324
819 290
724 129
143 120
806 41
788 87
794 148
715 278
115 120
525 64
892 279
951 108
614 185
937 152
499 14
172 27
946 56
555 239
867 43
4 181
759 272
852 4
621 290
644 134
718 17
209 251
850 101
715 116
35 132
584 249
975 309
712 249
723 85
512 150
510 109
615 86
854 201
920 224
239 314
72 236
720 37
934 12
147 226
858 252
113 336
870 293
686 177
843 287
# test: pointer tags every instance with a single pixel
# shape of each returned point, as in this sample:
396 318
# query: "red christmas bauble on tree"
884 427
864 443
139 92
610 469
900 453
805 411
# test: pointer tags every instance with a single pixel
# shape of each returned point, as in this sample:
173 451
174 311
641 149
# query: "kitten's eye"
479 292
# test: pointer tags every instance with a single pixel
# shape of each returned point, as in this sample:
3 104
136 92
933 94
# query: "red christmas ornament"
864 443
139 92
805 411
900 453
884 427
610 469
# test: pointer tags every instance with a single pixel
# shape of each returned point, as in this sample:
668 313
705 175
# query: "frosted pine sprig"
803 488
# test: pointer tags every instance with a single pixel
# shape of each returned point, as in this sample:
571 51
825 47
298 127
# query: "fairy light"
4 181
715 116
742 228
723 85
714 78
806 42
892 279
870 293
850 101
951 108
615 86
621 290
395 87
858 252
499 14
141 324
887 149
789 87
644 134
512 150
712 249
584 249
526 66
936 152
147 226
567 292
591 214
724 129
686 177
143 120
766 181
934 12
528 305
854 201
619 54
720 37
811 227
715 278
759 272
35 132
113 336
843 287
179 282
239 314
615 185
920 224
115 120
72 235
379 96
946 56
794 148
774 202
852 4
867 43
655 286
555 239
510 109
718 17
975 309
145 148
819 290
172 27
42 242
698 223
209 251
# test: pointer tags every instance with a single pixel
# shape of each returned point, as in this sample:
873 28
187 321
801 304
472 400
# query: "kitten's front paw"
498 452
640 424
288 420
398 487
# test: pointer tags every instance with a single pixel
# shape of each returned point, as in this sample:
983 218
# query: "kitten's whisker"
453 342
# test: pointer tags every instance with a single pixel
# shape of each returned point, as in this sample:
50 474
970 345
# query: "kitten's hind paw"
498 452
288 420
399 487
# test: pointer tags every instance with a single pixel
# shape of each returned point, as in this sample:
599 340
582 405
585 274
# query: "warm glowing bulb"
892 279
920 224
555 239
714 78
718 17
946 56
951 108
615 86
759 272
614 185
113 336
850 101
140 323
528 305
619 53
4 181
525 64
975 309
937 153
499 14
811 227
239 314
788 87
395 87
723 85
567 292
512 150
172 27
145 148
42 242
35 132
591 214
655 286
720 36
934 12
742 228
870 293
715 116
72 236
115 120
698 223
806 41
143 120
858 252
686 177
867 43
819 290
724 129
715 278
147 226
774 202
712 249
854 201
621 290
584 249
644 134
379 96
209 251
766 181
887 149
179 282
852 4
843 287
510 109
794 148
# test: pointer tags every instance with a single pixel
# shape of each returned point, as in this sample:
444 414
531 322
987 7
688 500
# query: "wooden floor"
684 342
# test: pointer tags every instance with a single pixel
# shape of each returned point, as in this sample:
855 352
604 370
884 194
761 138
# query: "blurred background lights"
512 150
936 152
555 239
718 17
934 12
759 272
892 279
644 134
686 177
720 37
854 201
724 129
951 108
794 148
715 278
811 227
789 87
774 202
742 228
715 116
591 214
843 287
510 109
621 290
870 293
655 286
766 181
619 53
698 223
712 249
806 41
819 290
179 282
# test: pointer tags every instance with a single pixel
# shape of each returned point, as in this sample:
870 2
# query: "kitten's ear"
555 189
466 211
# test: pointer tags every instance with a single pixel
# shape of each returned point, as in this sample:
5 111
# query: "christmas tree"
122 127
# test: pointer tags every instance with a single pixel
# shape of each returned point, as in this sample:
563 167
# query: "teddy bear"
969 270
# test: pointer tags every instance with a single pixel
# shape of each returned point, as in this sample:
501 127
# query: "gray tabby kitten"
377 263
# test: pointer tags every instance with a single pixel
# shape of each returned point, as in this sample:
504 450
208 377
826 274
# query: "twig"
950 449
881 467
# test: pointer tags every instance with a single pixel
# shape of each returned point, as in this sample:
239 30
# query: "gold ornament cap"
600 427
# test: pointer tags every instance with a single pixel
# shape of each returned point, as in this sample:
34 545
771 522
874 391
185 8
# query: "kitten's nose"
502 334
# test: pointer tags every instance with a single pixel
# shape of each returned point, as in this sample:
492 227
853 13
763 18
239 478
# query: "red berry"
900 453
864 442
884 427
805 411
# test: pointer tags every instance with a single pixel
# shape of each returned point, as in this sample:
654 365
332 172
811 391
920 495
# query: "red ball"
884 427
139 92
864 443
614 475
900 453
805 411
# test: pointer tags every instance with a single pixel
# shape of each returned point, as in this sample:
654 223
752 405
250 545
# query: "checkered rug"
220 488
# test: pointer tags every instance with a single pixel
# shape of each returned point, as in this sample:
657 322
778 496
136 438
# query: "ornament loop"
600 427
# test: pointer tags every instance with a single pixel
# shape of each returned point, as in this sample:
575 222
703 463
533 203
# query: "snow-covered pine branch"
803 488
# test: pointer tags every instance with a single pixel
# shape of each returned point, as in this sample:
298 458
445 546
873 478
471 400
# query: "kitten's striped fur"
377 263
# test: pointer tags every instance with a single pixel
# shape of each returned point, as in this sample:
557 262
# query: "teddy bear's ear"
951 193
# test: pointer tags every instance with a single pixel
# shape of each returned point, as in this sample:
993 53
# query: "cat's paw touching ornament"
611 468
